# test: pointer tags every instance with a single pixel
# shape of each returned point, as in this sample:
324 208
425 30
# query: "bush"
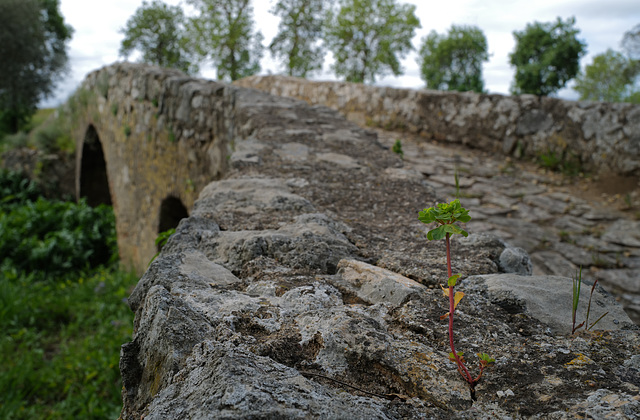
14 141
17 189
52 137
52 236
62 324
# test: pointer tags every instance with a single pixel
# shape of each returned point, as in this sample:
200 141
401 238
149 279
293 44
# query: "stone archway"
93 182
171 212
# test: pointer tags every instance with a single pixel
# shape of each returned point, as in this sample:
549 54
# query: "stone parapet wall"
601 137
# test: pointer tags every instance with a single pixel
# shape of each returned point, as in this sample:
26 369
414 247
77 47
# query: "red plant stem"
467 376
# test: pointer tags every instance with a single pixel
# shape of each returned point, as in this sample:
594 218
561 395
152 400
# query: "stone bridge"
147 141
150 139
302 284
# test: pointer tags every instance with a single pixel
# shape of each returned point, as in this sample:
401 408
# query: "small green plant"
564 236
127 130
397 148
172 136
161 241
103 85
577 283
154 101
190 185
445 215
114 109
565 162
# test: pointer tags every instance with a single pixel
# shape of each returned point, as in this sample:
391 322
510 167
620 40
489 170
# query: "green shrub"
45 138
17 189
62 324
52 236
55 237
14 141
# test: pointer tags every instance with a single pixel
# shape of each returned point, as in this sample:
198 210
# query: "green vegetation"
564 162
612 76
445 216
577 284
161 241
454 61
48 131
299 31
33 47
62 307
224 32
369 37
546 56
631 42
397 148
159 32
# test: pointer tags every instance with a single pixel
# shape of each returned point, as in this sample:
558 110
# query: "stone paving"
563 223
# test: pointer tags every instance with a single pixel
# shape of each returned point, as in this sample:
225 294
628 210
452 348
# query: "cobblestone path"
562 222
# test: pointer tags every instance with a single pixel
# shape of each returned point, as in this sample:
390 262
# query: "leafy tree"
631 42
298 34
158 31
33 53
546 57
611 77
454 61
369 37
224 32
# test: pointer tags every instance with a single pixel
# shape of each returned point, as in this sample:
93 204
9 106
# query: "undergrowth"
63 309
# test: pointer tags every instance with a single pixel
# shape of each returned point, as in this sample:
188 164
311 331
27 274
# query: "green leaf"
463 217
453 280
425 216
486 358
437 233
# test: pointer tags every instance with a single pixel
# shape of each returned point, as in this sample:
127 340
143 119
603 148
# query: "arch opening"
171 212
94 182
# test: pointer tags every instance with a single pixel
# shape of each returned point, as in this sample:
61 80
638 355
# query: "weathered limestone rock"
516 260
306 288
548 299
624 232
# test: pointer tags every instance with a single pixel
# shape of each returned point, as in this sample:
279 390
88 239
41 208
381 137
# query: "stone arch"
93 182
171 212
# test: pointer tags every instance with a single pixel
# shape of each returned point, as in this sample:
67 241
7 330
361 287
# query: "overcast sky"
602 23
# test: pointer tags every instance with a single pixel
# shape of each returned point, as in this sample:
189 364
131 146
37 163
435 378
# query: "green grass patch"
63 316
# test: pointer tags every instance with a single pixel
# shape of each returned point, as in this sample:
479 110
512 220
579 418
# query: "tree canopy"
33 53
546 56
454 61
369 37
631 42
224 31
299 32
612 76
158 31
